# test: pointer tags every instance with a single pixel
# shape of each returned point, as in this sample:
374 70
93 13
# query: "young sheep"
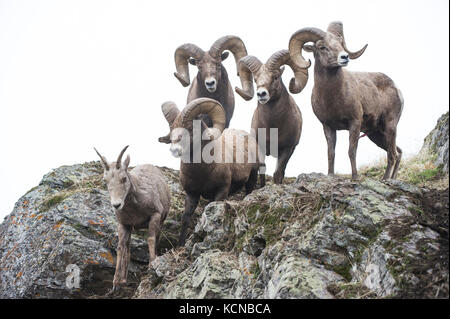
353 101
276 108
214 180
141 199
212 78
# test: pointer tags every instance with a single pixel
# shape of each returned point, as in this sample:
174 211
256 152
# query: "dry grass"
419 170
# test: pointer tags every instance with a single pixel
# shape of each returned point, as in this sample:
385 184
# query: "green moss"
51 202
255 270
424 176
343 270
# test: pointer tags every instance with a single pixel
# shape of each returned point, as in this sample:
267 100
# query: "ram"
141 199
355 101
212 77
276 108
234 164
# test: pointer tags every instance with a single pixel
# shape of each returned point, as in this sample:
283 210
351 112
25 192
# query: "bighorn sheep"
141 199
276 108
353 101
212 78
236 155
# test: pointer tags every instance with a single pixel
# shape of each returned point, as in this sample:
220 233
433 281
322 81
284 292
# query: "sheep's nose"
344 56
261 94
116 206
210 83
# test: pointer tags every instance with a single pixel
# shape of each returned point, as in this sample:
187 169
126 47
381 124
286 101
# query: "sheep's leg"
262 175
330 135
394 153
190 204
153 232
283 159
123 256
354 131
251 182
222 194
397 163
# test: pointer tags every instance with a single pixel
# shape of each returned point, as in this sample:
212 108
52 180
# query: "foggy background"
79 74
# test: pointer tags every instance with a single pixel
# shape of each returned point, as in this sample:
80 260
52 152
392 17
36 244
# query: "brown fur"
215 181
279 112
354 101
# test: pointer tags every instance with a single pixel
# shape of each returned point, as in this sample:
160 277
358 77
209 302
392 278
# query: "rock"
66 220
314 236
436 143
325 237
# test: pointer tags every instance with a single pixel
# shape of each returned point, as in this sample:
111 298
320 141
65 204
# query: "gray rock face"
318 237
436 143
67 220
313 237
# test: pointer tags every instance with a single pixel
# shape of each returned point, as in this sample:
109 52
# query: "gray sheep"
354 101
141 199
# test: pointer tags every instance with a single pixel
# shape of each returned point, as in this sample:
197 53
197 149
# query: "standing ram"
354 101
213 179
212 77
276 108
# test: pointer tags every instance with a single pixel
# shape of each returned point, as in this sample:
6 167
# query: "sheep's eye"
322 48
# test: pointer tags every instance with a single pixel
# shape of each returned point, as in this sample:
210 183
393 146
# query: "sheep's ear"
282 70
309 47
224 55
192 61
126 162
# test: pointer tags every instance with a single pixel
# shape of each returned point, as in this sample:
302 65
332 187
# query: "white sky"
78 74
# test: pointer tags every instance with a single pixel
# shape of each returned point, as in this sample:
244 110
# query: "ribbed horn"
298 39
170 112
282 57
247 66
231 43
207 106
182 54
337 28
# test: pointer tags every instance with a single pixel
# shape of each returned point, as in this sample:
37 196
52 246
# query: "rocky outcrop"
436 143
68 220
315 236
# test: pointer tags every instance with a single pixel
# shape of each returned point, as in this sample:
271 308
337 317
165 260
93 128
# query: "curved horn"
247 66
337 28
103 159
170 112
282 57
182 54
204 106
231 43
119 159
298 39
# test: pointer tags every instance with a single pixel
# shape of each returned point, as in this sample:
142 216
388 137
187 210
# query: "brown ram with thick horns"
354 101
233 165
212 78
276 108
